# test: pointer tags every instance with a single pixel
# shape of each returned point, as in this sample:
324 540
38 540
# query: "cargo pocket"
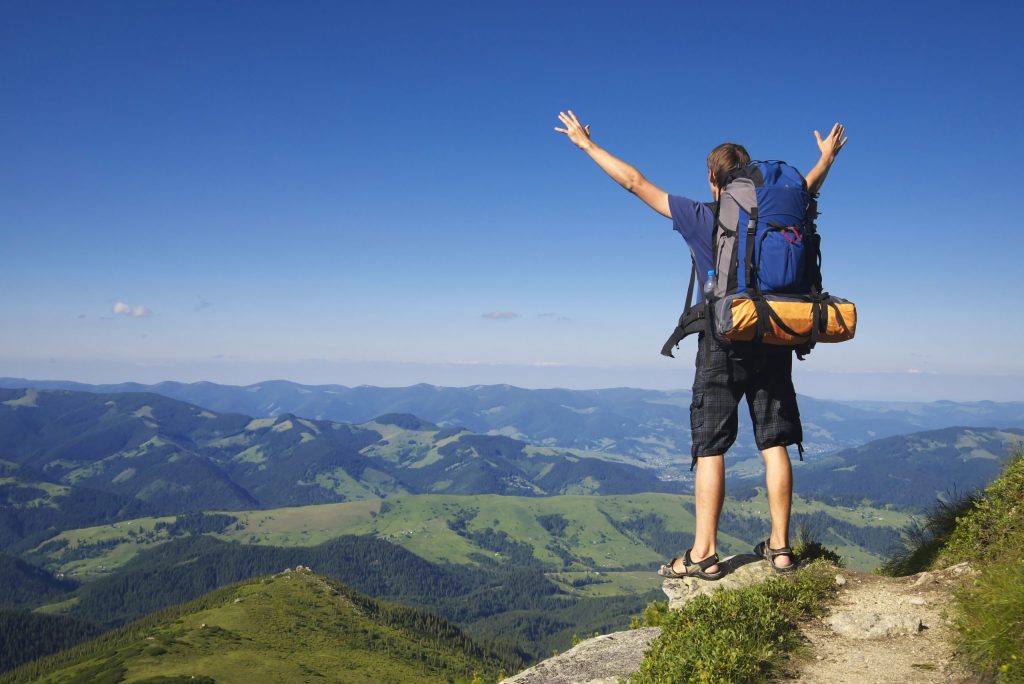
696 425
696 412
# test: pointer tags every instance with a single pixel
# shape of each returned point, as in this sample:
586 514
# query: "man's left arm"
829 148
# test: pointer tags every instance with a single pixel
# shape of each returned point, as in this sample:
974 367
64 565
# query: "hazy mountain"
908 471
176 457
647 424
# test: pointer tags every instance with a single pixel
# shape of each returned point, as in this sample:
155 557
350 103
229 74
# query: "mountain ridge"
650 426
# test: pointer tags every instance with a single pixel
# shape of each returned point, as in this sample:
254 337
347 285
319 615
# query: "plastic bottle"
709 285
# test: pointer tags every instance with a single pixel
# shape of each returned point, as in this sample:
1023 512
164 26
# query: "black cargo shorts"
764 374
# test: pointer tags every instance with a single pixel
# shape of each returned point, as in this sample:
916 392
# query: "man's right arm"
621 172
829 148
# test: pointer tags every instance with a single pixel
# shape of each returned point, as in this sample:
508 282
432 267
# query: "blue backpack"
764 227
765 248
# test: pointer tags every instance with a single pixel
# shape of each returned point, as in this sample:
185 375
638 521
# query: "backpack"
767 277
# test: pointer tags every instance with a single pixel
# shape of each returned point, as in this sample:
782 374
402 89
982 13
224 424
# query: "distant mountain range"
101 455
648 425
910 471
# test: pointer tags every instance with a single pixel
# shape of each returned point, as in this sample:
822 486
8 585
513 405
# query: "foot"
680 564
781 557
783 560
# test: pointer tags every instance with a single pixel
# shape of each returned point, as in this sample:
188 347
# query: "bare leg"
779 480
709 492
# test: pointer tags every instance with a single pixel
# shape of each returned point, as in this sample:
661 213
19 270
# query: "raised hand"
834 142
578 134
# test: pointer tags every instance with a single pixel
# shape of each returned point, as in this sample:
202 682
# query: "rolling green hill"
514 603
33 508
294 626
571 534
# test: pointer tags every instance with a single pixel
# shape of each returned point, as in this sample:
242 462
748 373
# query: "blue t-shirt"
694 221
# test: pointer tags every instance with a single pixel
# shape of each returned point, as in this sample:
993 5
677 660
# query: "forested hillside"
252 631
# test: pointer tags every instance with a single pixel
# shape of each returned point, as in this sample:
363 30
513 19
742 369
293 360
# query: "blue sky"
373 193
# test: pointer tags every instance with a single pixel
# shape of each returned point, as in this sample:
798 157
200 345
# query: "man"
761 372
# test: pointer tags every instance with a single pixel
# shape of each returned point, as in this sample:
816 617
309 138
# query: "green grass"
607 583
741 635
294 627
420 524
989 613
987 530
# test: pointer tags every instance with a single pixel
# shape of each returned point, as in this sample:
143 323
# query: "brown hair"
725 158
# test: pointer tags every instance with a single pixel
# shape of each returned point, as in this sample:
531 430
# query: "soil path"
884 630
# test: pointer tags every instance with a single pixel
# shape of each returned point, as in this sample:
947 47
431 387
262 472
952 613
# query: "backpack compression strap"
690 314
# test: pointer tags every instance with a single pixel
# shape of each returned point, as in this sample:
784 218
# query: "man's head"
722 160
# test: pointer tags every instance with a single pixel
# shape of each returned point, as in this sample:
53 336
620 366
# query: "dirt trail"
884 630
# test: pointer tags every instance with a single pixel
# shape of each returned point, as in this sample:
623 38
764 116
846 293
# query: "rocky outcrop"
607 658
601 660
741 571
881 629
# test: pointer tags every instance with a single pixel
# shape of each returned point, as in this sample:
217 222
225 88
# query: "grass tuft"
808 548
923 540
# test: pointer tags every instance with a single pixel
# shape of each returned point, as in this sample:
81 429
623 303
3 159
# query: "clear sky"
351 193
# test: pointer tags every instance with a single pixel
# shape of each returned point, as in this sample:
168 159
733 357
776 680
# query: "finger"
561 130
575 120
817 136
586 129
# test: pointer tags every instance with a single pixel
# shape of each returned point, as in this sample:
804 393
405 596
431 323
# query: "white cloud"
131 310
499 315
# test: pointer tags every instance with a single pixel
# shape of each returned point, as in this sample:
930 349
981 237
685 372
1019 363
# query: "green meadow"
589 532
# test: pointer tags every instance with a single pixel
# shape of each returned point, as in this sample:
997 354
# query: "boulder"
601 660
871 625
741 571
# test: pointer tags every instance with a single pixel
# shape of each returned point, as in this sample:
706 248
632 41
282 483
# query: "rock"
840 580
741 571
925 579
917 601
959 568
867 625
601 660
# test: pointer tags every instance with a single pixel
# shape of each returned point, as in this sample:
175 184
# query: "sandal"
693 568
769 554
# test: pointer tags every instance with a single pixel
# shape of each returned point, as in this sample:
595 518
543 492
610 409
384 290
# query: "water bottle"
709 285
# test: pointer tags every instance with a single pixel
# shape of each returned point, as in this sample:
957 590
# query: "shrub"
734 636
